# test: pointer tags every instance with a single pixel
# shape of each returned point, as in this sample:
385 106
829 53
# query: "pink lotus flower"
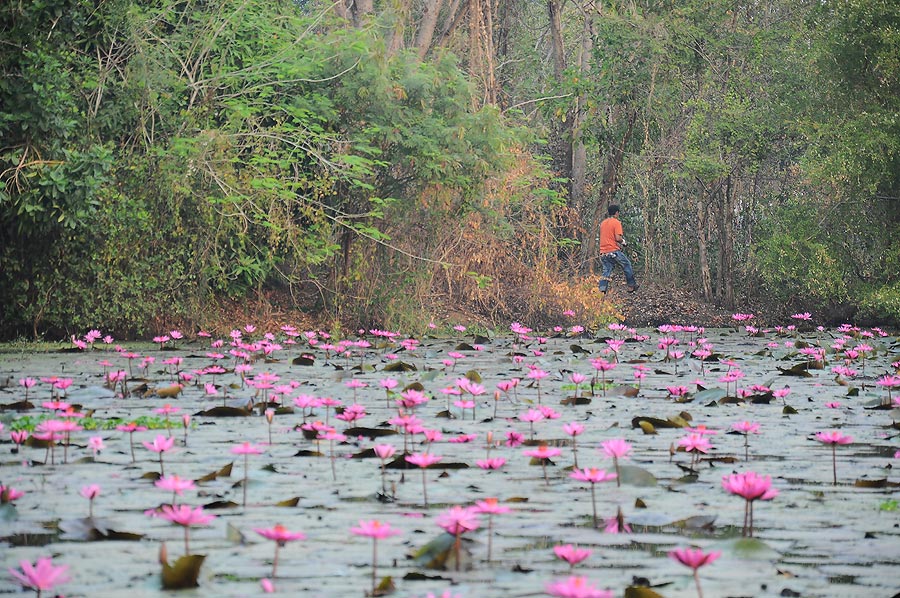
571 554
602 366
678 391
889 381
281 536
27 383
616 448
537 374
834 438
174 484
574 429
186 517
694 444
514 439
576 587
423 461
457 521
491 463
577 378
751 487
90 492
160 445
593 476
246 449
95 443
616 524
376 530
490 507
694 558
746 428
43 575
131 428
384 451
8 494
531 416
544 453
701 430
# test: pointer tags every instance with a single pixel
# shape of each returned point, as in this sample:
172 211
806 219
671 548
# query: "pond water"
814 539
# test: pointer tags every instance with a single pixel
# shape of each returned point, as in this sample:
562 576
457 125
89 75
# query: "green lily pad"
711 394
633 475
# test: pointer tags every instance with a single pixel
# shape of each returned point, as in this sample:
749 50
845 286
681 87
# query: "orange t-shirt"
609 228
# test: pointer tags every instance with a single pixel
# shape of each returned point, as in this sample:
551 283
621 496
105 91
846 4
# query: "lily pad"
440 553
221 473
400 366
183 574
369 432
224 412
711 394
169 392
641 592
801 370
633 475
93 529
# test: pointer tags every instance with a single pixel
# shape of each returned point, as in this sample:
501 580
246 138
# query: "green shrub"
881 305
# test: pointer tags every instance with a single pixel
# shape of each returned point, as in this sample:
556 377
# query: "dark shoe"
633 289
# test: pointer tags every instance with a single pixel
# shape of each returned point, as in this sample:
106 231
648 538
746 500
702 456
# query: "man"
612 240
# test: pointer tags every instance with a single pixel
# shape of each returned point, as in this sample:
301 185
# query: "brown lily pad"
183 573
225 472
224 411
400 366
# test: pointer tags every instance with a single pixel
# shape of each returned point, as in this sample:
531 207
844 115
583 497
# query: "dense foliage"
159 158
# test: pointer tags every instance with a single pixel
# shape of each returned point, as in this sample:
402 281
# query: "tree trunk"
396 41
455 14
703 249
608 189
579 151
427 26
341 10
557 50
360 9
726 244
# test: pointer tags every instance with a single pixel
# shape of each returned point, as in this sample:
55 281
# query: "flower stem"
490 536
374 563
244 485
834 464
275 560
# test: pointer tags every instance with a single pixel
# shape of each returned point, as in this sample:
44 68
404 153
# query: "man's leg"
608 264
623 261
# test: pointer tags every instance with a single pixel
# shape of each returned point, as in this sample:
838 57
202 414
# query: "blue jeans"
609 261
